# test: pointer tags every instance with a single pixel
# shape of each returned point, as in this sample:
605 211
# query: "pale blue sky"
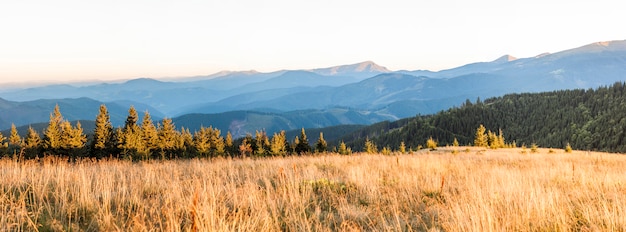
70 40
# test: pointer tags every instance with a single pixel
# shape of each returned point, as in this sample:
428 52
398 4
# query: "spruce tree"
202 141
481 140
217 143
150 136
277 147
343 149
370 146
32 143
229 143
402 148
130 139
15 140
73 139
102 143
261 143
321 145
52 134
185 142
431 144
245 148
168 138
303 143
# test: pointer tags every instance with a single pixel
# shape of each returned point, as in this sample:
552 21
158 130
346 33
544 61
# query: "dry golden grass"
473 190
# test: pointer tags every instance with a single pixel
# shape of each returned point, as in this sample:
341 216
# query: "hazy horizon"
76 41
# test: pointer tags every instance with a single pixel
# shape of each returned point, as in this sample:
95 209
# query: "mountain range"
365 92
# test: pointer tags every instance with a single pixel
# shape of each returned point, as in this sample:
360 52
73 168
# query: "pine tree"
245 148
168 138
52 134
202 141
102 143
277 147
402 147
185 142
321 146
455 143
431 144
386 151
130 139
481 140
303 144
15 140
501 142
343 149
150 136
261 143
568 148
296 141
32 143
217 143
492 140
370 147
73 139
229 143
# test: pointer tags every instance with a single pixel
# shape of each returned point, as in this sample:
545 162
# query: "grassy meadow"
470 190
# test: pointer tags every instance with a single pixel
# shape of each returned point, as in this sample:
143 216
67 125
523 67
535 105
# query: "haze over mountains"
361 93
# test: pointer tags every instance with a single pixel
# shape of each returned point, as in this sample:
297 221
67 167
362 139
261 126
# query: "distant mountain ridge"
364 87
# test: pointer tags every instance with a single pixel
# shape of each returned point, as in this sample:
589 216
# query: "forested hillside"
593 119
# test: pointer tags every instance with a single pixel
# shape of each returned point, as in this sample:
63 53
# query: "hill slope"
587 119
38 111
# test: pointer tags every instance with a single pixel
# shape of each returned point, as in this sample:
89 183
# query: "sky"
86 40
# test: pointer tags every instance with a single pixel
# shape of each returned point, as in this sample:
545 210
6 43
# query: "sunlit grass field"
469 190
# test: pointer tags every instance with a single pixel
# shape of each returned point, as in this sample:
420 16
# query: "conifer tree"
15 140
52 134
455 143
202 141
296 141
229 143
277 147
492 139
370 146
501 142
220 148
149 134
32 143
102 143
245 149
73 139
167 137
321 145
261 143
303 143
481 140
343 149
185 142
386 150
431 144
217 143
130 139
402 148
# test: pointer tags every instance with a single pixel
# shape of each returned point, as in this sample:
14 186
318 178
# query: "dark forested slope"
593 119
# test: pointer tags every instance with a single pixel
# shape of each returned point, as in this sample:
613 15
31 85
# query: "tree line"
146 140
583 119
